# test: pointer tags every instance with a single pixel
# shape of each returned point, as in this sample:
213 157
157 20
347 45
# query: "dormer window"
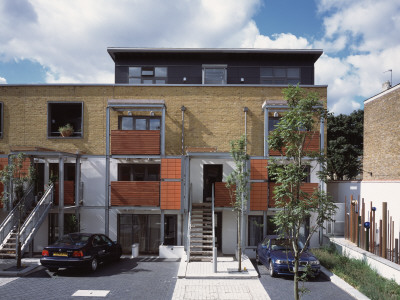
147 75
214 74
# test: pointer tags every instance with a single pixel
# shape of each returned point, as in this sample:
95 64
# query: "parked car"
80 250
277 255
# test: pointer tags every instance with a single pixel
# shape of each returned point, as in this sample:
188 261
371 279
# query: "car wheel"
93 264
272 272
258 259
53 269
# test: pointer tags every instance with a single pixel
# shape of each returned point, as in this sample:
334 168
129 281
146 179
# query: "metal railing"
189 226
14 216
36 218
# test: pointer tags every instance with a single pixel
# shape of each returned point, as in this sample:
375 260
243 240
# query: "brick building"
146 150
381 160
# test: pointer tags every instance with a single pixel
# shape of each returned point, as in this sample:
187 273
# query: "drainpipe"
266 153
107 177
183 109
245 109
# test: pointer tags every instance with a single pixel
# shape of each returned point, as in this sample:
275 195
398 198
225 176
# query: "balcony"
223 195
135 142
135 193
69 193
306 187
312 144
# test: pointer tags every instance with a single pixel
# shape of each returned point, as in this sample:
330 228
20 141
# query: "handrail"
189 227
36 218
213 217
13 217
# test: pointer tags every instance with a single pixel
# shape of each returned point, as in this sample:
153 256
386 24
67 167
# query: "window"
138 172
148 75
62 113
139 123
214 74
307 173
170 229
272 122
280 75
255 229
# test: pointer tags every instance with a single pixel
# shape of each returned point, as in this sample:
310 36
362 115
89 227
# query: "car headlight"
281 262
314 262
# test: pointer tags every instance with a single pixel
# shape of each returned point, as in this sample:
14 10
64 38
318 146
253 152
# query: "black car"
277 255
80 250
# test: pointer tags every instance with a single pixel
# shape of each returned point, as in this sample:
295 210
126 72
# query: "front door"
211 174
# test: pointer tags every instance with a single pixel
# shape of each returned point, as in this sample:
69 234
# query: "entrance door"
211 174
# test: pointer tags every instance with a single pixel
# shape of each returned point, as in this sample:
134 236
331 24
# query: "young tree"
15 181
238 184
291 137
345 145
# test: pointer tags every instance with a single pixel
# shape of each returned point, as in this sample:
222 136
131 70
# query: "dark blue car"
80 250
277 255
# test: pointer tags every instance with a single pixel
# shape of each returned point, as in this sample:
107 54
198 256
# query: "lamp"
276 114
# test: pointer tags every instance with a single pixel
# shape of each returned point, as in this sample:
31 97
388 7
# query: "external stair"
201 237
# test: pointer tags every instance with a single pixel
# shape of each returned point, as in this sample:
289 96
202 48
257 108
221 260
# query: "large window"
280 75
139 123
148 75
214 74
138 172
61 114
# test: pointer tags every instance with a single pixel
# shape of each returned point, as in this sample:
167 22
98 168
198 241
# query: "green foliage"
358 274
345 145
291 137
239 177
14 179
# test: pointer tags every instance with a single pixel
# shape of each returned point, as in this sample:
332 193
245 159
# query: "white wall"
339 190
93 178
196 174
229 232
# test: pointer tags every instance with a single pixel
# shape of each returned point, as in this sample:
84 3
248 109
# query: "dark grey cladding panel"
121 74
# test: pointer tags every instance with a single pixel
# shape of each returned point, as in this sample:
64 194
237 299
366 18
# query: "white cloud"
3 80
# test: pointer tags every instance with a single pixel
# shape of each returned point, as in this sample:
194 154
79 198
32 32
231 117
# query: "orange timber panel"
170 168
258 168
259 196
311 143
135 193
135 142
306 187
222 195
69 193
170 195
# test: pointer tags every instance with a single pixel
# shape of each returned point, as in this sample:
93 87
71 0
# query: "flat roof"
114 50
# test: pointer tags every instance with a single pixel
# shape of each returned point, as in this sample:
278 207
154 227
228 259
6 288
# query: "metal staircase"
201 232
32 216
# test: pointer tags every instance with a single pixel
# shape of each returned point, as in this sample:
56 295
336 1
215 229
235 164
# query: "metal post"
107 175
384 229
266 152
162 226
61 197
77 188
163 131
213 232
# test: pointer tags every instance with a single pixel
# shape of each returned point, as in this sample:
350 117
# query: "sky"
65 41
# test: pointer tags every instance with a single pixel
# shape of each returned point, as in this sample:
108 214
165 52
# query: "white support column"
61 197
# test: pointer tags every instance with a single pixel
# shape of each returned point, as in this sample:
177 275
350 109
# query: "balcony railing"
135 193
135 142
312 143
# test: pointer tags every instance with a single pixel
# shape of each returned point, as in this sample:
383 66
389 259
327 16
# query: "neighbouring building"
146 151
381 160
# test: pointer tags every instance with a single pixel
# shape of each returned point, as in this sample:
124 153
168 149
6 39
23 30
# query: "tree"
239 182
291 137
15 181
345 145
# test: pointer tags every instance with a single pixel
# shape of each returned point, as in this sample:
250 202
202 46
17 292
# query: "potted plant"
66 130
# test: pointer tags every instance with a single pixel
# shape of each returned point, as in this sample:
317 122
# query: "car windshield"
283 244
74 239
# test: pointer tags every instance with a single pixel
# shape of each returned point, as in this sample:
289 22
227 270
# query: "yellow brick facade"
214 115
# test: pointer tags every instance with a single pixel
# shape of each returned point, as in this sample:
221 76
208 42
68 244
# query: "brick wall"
214 115
381 159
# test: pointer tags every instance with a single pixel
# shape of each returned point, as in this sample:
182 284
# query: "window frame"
283 79
75 136
132 173
216 67
148 118
148 77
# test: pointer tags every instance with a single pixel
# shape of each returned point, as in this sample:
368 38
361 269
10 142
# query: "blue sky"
65 41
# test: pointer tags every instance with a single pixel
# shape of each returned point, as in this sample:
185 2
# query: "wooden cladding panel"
135 142
312 143
170 195
258 168
306 187
222 195
69 193
171 168
135 193
259 196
